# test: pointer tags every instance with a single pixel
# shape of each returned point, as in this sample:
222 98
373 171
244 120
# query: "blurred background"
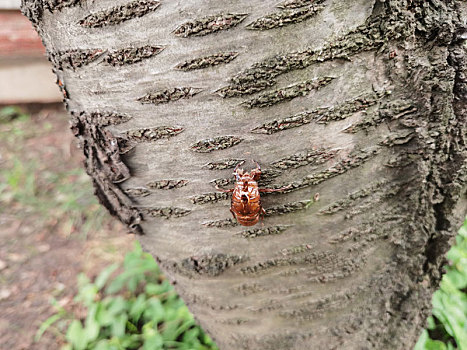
51 225
70 275
25 73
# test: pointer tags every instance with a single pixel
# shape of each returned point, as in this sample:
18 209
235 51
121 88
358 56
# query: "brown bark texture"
362 102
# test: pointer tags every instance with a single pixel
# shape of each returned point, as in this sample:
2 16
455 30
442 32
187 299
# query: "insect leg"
233 214
261 216
223 190
256 173
257 165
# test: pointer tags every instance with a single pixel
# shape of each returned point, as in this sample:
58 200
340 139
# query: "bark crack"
105 166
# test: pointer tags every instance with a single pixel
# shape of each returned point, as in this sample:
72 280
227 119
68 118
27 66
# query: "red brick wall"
17 36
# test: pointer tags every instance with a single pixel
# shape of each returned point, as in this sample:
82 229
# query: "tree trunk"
360 103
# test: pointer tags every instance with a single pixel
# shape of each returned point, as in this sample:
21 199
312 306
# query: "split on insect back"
246 205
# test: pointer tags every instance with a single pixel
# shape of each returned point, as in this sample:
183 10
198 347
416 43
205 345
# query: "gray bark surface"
362 102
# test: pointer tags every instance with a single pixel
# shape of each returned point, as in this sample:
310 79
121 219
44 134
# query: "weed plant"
447 328
136 308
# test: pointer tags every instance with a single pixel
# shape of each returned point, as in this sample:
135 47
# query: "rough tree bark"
363 102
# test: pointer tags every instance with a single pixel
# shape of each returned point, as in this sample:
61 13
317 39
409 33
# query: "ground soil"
42 254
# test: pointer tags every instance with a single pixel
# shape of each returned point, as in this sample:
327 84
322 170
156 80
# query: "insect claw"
257 165
236 168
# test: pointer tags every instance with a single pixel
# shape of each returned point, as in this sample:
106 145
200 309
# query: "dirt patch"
51 226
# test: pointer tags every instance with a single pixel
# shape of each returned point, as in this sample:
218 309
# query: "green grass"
134 309
11 113
50 196
138 309
37 181
447 328
16 125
